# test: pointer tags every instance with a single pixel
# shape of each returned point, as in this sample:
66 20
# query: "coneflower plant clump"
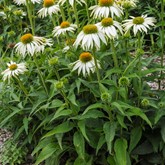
82 82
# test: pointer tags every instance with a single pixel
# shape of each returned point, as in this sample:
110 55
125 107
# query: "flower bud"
127 35
161 105
145 102
64 80
124 81
11 33
139 52
105 97
53 61
59 85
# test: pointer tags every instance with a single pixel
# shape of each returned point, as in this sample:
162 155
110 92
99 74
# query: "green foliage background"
78 124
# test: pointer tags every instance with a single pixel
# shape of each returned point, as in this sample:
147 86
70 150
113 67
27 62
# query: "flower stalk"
40 74
22 87
76 14
162 42
30 16
115 60
62 13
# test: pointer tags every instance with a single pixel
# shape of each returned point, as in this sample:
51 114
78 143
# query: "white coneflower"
106 8
85 64
110 27
90 37
23 2
127 4
64 28
49 8
13 70
46 42
71 2
141 24
30 44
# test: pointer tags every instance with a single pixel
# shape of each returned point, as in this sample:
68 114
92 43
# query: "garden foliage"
71 100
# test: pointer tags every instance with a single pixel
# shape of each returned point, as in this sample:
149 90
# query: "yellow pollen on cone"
89 29
65 24
138 20
27 38
107 22
106 2
48 3
13 67
85 57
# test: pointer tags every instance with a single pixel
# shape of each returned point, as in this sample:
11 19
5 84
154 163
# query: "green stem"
53 21
65 97
3 55
76 14
114 54
162 17
28 5
139 48
127 52
62 13
57 74
4 3
97 67
41 77
139 68
87 11
69 13
162 40
130 64
23 88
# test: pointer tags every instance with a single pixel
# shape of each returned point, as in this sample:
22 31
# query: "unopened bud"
124 81
145 102
59 85
53 61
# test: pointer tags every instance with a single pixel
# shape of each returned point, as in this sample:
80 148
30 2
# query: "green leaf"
15 111
163 133
92 114
72 99
36 106
61 112
109 131
79 161
135 137
111 160
93 106
100 143
138 112
78 83
56 103
81 125
119 107
148 71
26 123
120 119
159 114
59 137
41 145
143 149
93 88
46 152
120 148
79 144
62 128
112 71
